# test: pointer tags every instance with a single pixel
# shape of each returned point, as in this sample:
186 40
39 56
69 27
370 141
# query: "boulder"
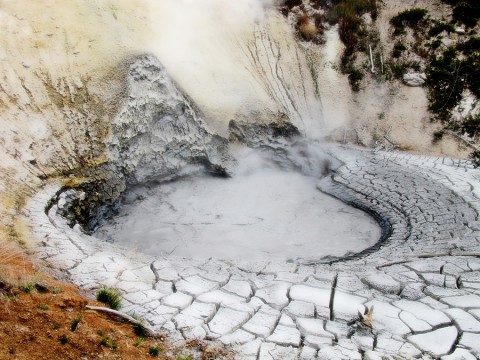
414 79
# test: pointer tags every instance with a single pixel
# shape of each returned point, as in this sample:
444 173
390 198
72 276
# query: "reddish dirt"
38 324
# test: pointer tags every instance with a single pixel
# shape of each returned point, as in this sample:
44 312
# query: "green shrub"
438 135
140 330
398 48
76 322
467 13
446 81
436 44
410 18
140 341
27 287
63 339
439 28
110 297
155 351
354 77
401 67
470 46
471 125
108 343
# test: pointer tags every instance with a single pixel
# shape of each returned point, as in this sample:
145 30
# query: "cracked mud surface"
423 279
261 212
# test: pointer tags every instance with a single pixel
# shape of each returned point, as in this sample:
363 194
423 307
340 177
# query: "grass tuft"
109 297
108 343
140 341
28 287
140 330
76 322
63 339
155 351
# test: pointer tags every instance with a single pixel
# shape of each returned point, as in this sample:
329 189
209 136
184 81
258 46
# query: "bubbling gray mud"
263 211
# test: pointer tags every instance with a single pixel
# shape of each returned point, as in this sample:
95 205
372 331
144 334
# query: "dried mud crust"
423 280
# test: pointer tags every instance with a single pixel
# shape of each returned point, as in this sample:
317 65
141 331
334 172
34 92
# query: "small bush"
470 46
63 339
398 49
354 77
349 27
43 307
471 125
140 330
475 156
108 343
76 322
436 44
398 70
307 28
110 297
27 287
438 135
439 28
155 351
410 18
139 343
467 13
446 80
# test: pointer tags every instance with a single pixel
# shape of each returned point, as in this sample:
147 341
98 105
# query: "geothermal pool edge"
423 282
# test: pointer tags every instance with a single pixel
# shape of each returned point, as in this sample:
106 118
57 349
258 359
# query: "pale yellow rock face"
60 85
58 82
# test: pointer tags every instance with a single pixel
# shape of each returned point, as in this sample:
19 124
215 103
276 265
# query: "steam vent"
255 180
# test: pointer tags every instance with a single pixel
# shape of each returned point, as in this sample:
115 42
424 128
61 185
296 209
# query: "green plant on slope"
110 297
409 18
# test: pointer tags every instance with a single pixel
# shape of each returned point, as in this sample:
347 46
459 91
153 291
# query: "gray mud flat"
261 212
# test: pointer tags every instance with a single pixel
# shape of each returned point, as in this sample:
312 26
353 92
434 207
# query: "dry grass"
308 30
11 259
16 274
8 254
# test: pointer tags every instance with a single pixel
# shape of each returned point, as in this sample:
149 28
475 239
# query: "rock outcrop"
414 79
159 130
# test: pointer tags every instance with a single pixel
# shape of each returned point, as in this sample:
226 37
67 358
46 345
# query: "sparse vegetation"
398 49
76 322
467 12
140 341
471 126
109 297
63 339
307 28
27 287
449 75
439 28
409 18
107 342
155 351
140 330
438 135
354 77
